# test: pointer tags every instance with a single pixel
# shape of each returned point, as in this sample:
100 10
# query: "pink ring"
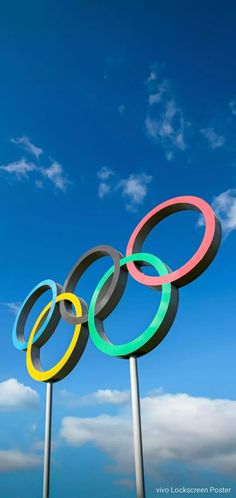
202 257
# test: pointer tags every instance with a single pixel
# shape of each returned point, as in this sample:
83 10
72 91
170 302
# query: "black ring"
112 292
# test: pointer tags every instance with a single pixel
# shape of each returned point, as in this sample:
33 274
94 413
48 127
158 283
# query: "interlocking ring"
159 325
108 292
112 293
202 257
71 356
51 320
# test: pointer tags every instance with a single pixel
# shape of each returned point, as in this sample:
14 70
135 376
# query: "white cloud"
55 174
104 431
164 122
25 143
14 395
152 76
22 168
12 460
100 397
134 189
152 127
195 431
157 89
103 189
104 173
19 168
110 396
13 307
169 130
225 207
154 98
232 106
214 140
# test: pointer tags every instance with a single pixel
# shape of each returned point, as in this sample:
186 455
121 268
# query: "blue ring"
20 321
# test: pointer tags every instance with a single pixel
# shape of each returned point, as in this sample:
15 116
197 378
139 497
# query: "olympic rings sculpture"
88 320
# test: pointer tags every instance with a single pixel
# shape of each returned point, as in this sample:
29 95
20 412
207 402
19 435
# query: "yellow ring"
64 365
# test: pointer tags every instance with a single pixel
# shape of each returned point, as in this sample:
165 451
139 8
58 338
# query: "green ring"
158 327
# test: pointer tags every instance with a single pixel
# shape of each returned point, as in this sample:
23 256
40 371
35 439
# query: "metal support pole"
47 443
137 431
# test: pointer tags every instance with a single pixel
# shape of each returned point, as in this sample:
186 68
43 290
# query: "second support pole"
137 430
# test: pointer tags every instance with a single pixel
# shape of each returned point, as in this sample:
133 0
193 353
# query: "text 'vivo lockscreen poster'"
118 219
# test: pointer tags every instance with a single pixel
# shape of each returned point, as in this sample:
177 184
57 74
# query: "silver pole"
47 443
137 431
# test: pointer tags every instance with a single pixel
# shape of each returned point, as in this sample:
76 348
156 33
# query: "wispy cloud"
25 143
214 140
15 395
157 87
22 168
225 207
100 397
103 189
165 123
134 190
202 435
13 460
13 307
55 174
232 106
19 168
104 173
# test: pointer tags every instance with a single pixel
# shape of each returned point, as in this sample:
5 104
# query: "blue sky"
108 109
